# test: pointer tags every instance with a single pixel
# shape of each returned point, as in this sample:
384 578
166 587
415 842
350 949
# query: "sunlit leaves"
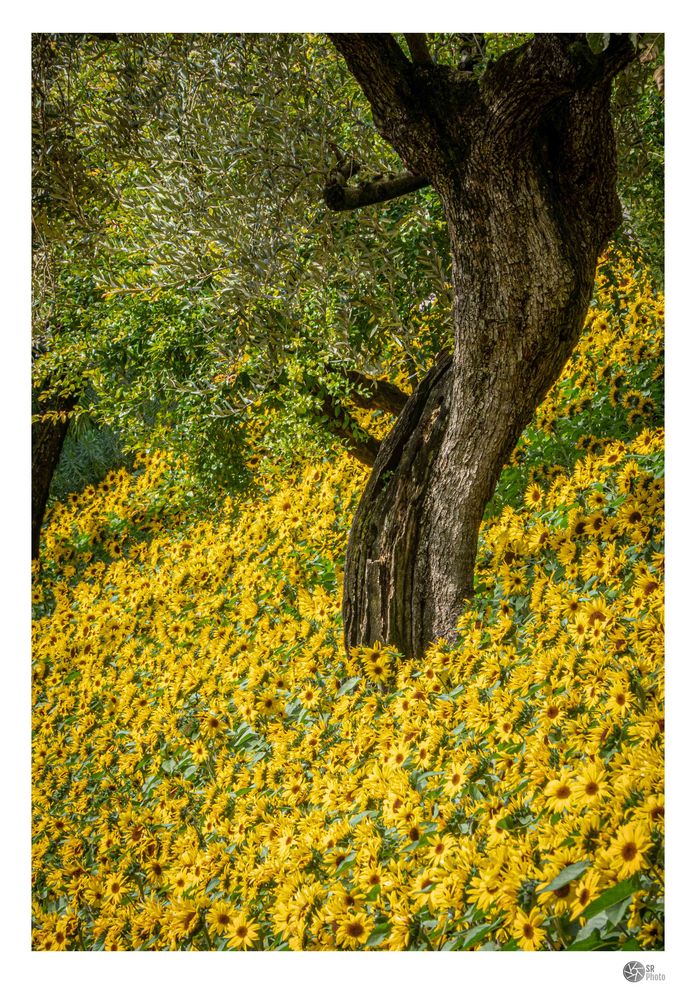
206 756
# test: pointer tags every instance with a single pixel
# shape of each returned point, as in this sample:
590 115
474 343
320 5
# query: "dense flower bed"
211 770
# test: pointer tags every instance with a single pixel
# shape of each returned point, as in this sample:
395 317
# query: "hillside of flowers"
211 771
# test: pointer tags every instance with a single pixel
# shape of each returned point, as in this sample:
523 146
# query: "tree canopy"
193 284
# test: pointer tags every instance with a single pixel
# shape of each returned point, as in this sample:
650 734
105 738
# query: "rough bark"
340 197
48 430
376 393
524 163
381 573
418 49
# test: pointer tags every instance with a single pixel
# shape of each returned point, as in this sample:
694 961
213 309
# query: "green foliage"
189 280
639 115
216 281
206 753
89 452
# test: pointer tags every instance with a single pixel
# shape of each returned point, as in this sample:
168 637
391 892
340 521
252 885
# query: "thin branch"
377 394
618 54
659 78
356 441
339 197
380 67
343 425
473 51
388 80
418 48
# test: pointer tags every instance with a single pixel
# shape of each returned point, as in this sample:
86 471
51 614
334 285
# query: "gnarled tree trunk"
524 163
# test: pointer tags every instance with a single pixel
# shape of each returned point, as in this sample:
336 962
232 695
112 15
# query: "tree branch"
341 423
339 197
389 81
378 394
418 48
380 67
523 82
356 441
473 51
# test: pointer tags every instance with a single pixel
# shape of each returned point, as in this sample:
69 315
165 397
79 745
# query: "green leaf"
354 820
615 913
346 864
151 783
597 923
452 944
476 934
378 935
592 943
610 896
243 740
565 876
598 43
242 791
348 686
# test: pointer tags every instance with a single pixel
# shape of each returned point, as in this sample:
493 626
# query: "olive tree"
310 195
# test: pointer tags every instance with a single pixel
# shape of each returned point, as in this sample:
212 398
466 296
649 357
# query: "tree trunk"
530 200
47 437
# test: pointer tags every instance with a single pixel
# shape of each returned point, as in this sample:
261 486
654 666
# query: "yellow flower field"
212 771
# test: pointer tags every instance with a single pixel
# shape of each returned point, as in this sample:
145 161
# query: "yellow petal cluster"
211 771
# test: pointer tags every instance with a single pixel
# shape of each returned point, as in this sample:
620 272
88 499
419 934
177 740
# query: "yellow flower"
590 784
559 791
199 752
243 933
527 929
221 917
114 888
620 699
485 891
181 920
441 848
534 496
650 935
579 629
627 850
376 662
586 890
353 929
212 726
58 938
652 810
514 581
268 704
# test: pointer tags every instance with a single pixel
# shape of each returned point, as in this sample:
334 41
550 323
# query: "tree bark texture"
47 437
524 163
340 197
